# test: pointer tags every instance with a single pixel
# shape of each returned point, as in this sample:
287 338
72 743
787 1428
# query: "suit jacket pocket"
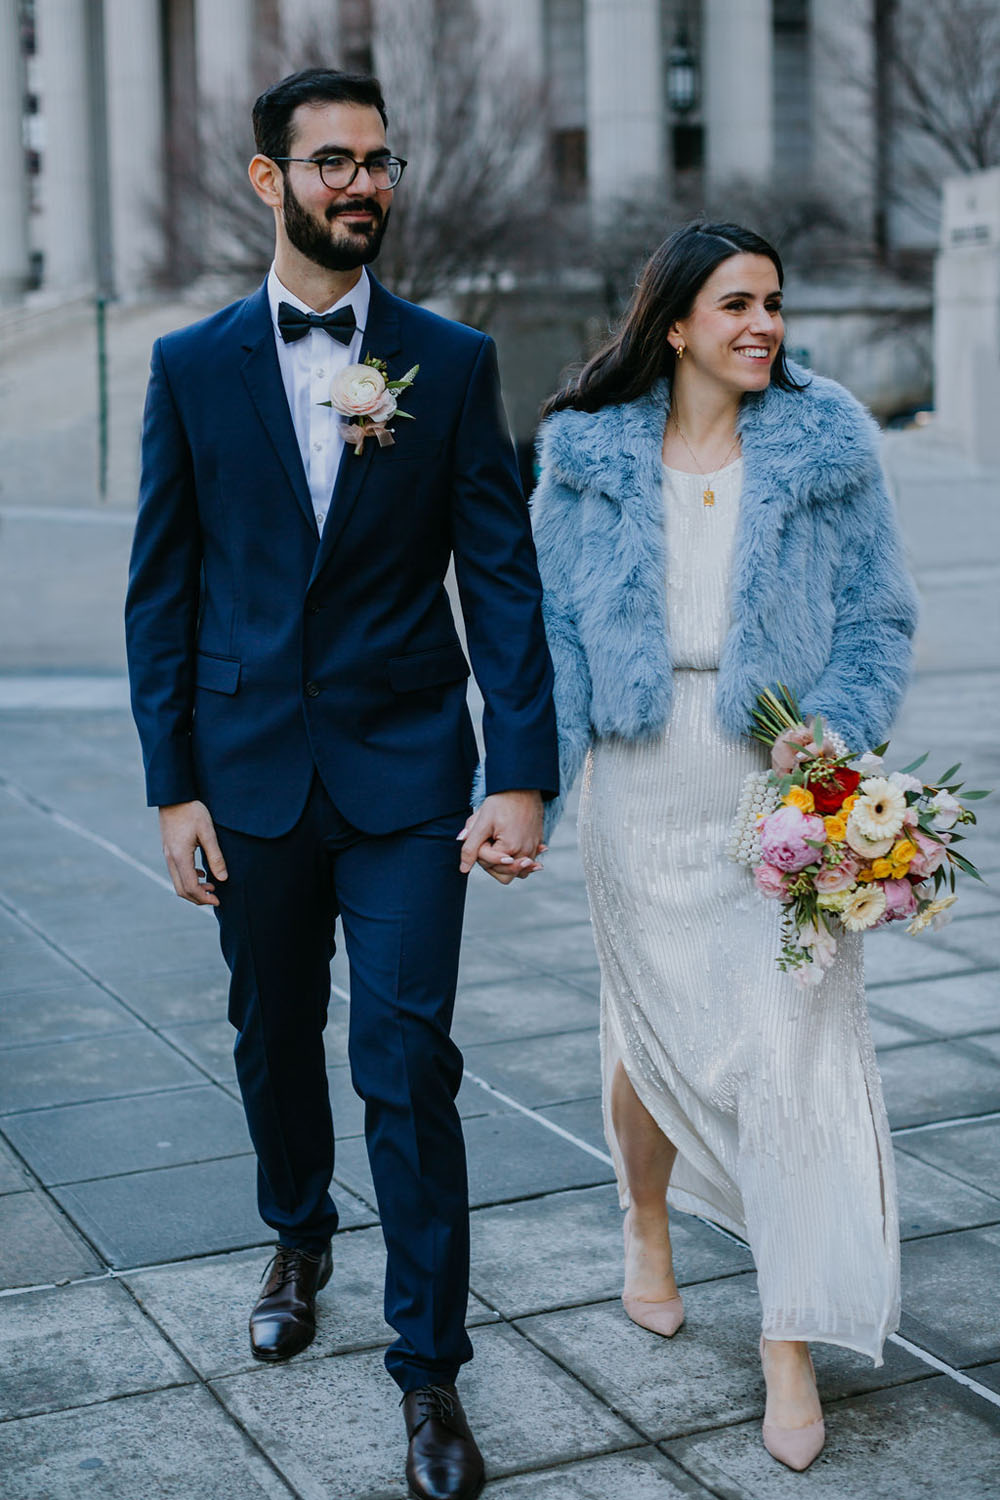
423 669
220 674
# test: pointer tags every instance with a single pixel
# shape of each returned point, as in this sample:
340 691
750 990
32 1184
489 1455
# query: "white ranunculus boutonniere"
364 395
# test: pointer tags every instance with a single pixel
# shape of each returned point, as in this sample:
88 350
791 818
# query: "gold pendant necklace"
708 493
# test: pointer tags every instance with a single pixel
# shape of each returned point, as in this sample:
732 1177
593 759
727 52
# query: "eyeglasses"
340 171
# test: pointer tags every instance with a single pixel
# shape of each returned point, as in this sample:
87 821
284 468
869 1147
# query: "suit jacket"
820 596
260 652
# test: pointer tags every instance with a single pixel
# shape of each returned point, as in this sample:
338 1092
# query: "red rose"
829 794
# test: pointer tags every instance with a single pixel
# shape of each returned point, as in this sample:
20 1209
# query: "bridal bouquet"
841 843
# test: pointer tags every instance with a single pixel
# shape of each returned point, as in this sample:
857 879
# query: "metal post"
102 398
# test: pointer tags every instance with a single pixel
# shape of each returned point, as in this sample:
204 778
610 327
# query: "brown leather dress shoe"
443 1462
284 1321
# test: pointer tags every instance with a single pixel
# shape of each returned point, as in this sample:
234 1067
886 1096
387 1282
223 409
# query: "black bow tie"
293 324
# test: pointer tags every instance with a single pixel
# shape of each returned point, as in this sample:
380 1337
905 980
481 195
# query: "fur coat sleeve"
556 524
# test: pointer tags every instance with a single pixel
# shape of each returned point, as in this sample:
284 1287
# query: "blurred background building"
552 144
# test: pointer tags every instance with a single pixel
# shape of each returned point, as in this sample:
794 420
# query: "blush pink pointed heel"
795 1447
663 1317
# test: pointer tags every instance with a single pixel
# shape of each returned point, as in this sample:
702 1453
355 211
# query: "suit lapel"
262 375
381 338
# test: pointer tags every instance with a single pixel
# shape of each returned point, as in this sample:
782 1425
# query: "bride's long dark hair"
639 353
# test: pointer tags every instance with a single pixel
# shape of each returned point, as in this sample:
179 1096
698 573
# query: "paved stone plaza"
130 1248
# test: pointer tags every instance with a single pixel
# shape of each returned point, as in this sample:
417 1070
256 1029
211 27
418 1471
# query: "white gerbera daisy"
878 812
864 909
935 912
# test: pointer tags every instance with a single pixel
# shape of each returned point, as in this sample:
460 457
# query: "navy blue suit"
311 691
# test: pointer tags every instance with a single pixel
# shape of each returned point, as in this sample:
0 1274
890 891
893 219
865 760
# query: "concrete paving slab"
893 958
61 1014
173 1444
76 1345
950 1007
987 1375
708 1374
977 941
987 1042
583 1118
27 962
209 1045
969 1152
538 906
520 1007
636 1474
915 1442
175 997
541 1070
943 1280
567 1249
333 1427
203 1305
111 1066
509 1157
79 1141
934 1202
889 1031
38 1245
555 950
13 1176
481 962
146 1217
937 1081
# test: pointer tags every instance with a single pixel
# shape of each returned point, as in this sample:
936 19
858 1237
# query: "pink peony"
899 899
770 882
929 853
837 877
783 838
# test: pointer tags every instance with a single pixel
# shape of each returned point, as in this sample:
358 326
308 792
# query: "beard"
315 240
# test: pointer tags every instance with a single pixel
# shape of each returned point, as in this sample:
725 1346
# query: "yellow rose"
903 852
836 828
881 869
899 872
866 876
800 797
847 804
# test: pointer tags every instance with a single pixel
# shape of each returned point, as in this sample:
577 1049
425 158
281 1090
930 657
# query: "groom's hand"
184 828
504 835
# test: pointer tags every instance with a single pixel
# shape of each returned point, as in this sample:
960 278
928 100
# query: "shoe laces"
434 1401
286 1264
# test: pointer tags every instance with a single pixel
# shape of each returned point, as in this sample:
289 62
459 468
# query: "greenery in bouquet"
851 846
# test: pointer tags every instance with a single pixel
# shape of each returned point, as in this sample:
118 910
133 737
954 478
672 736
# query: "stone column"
844 100
307 26
736 66
626 126
65 225
135 118
224 54
15 265
967 315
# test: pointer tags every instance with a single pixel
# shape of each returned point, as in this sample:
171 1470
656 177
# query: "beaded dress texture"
770 1092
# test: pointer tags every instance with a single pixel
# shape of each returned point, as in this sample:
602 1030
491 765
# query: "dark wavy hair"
273 110
639 352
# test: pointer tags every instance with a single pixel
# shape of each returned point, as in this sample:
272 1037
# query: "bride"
710 521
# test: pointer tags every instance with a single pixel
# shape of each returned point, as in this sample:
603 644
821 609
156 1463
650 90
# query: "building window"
792 89
569 162
688 148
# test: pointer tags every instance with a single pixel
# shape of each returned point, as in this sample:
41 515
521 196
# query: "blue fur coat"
820 596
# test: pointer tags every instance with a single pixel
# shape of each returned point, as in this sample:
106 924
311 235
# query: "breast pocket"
424 669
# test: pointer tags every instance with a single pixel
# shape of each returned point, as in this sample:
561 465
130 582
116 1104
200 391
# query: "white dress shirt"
307 368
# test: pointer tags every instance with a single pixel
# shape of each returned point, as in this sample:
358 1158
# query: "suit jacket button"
312 609
312 691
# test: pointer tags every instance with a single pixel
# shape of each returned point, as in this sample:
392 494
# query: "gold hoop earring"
680 351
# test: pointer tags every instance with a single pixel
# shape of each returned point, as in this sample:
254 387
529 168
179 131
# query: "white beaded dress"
769 1092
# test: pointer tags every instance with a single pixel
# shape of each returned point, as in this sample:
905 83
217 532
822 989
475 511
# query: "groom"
300 693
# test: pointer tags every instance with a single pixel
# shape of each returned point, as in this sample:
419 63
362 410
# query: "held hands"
185 827
504 836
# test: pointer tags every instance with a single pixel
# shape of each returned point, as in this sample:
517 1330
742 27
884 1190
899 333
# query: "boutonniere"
364 394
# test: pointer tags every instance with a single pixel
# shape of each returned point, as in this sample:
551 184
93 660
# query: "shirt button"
320 518
319 373
317 447
312 691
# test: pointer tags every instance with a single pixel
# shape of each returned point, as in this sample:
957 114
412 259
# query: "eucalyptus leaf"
907 770
947 775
